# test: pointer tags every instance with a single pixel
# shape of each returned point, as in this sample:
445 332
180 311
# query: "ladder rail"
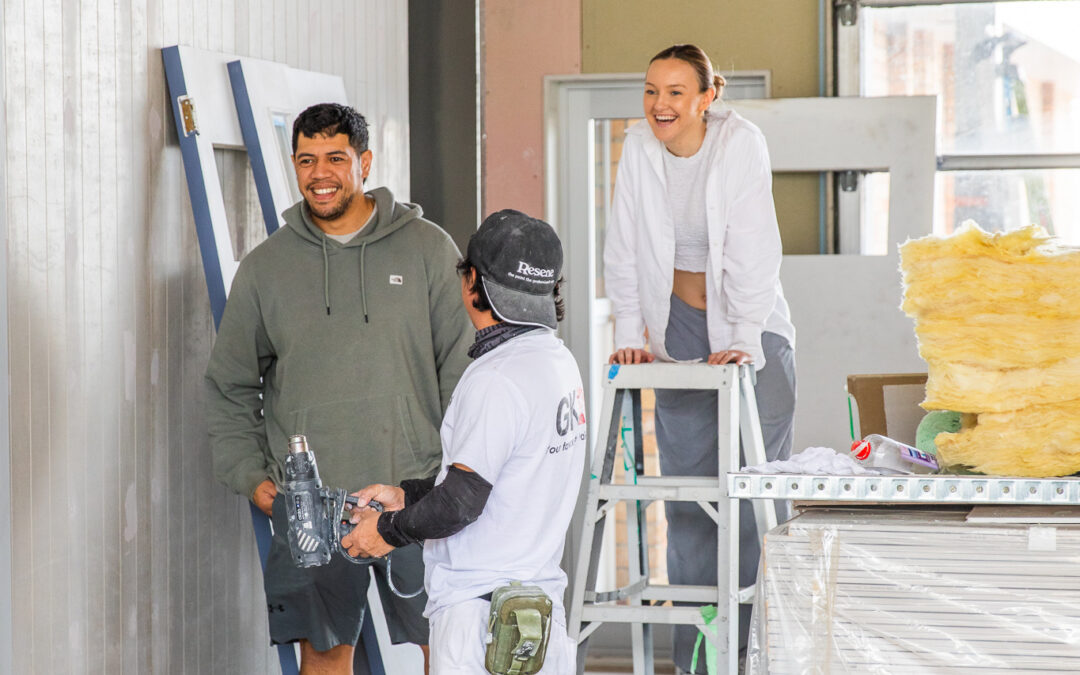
765 512
592 532
726 624
637 540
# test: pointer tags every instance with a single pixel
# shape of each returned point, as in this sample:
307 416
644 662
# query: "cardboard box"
888 404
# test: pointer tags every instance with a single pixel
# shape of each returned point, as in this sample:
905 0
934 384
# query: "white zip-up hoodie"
743 294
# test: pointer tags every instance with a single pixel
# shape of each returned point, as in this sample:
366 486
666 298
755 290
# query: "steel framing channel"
906 489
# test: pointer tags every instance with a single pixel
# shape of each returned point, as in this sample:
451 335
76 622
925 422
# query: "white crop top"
686 179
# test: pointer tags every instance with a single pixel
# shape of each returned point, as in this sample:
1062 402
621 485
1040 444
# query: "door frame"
6 625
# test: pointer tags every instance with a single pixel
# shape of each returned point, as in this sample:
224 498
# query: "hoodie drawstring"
326 275
363 289
326 278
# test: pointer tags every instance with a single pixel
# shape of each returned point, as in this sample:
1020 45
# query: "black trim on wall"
442 113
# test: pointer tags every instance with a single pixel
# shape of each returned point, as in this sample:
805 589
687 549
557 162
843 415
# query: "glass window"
996 200
242 210
1007 78
607 151
283 136
1007 73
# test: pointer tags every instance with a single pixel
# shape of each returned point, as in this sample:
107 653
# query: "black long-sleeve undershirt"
435 511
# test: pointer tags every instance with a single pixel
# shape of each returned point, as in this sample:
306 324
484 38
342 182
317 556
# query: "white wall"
126 557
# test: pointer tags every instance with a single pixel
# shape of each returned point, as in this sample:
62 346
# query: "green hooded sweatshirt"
358 346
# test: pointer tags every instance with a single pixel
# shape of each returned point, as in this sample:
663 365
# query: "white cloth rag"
816 461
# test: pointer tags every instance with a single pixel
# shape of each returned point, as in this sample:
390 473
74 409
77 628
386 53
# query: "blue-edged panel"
215 283
368 659
200 203
254 148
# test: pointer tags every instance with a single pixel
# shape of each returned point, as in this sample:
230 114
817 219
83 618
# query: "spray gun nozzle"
298 444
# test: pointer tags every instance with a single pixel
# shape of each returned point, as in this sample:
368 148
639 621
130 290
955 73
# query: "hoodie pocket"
422 434
367 440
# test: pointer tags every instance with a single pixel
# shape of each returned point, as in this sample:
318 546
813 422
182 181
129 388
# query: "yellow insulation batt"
997 317
1043 440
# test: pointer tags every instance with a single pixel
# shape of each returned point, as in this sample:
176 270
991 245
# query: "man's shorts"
325 605
457 641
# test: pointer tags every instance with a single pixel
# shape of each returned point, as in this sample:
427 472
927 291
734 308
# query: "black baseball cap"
519 259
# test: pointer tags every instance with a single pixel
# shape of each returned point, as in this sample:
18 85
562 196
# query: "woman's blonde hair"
699 61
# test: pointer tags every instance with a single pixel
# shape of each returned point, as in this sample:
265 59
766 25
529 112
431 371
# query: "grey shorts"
325 605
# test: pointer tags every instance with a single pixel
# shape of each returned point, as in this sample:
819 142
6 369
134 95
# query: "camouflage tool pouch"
518 630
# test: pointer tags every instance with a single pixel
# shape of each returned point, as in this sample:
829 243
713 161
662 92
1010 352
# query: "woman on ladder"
691 265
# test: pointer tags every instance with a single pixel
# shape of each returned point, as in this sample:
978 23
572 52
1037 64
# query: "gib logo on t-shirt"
571 412
569 421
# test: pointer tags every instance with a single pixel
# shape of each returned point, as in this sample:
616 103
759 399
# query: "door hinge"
187 115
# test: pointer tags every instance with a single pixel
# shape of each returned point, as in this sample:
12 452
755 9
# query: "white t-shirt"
517 418
687 179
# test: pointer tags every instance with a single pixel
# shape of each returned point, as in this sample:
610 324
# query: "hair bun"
718 82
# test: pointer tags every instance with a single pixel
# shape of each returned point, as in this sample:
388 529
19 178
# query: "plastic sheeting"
878 592
998 322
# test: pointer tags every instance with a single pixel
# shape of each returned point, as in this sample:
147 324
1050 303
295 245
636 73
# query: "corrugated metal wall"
126 556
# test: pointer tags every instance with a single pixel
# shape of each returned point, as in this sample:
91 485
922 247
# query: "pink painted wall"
522 41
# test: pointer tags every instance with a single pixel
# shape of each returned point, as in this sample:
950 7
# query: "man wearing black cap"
513 450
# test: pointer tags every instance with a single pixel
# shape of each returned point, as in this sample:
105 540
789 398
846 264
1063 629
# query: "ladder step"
746 594
630 591
644 614
670 376
706 595
666 488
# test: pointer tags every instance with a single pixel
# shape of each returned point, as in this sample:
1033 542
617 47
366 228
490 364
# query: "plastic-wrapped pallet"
998 322
877 592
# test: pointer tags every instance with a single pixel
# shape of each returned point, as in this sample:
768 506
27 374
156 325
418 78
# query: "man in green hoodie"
345 325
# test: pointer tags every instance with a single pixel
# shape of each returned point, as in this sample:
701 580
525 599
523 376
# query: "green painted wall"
781 36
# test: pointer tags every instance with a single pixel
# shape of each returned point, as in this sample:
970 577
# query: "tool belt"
518 630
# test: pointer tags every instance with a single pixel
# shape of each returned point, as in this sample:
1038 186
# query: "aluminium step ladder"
641 602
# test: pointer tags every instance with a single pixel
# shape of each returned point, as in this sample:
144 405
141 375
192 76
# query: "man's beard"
335 213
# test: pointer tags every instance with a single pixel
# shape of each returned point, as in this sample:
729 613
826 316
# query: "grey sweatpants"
687 437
